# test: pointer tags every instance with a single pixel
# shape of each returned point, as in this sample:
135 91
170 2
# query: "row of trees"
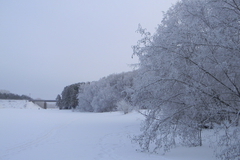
189 77
104 95
14 96
110 93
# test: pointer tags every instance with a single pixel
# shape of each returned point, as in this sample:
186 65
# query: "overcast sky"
46 45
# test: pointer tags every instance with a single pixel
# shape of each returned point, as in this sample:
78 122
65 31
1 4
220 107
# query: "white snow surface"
30 133
20 104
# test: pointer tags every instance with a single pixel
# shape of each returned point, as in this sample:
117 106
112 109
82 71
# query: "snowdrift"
18 104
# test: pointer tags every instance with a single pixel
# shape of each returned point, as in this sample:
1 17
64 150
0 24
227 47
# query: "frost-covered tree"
103 95
85 96
189 76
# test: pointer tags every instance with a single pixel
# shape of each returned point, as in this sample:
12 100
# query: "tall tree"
58 99
69 96
189 76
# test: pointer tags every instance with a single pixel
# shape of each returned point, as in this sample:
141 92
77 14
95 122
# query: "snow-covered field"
30 133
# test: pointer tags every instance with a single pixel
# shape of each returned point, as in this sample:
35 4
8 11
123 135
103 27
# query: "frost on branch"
189 77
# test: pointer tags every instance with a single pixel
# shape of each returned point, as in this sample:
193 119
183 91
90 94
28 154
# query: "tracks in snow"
33 142
113 145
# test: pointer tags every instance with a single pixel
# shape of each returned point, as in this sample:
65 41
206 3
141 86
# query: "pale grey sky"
49 44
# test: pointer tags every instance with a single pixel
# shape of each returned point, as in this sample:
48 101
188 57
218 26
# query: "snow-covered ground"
30 133
20 104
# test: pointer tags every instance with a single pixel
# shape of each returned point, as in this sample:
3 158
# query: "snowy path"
64 135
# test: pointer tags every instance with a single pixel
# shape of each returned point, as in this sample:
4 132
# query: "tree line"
14 96
98 96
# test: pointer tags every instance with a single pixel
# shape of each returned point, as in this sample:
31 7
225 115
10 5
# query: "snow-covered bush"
124 106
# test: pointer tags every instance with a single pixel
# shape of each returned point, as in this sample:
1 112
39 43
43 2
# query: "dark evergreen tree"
58 99
69 96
